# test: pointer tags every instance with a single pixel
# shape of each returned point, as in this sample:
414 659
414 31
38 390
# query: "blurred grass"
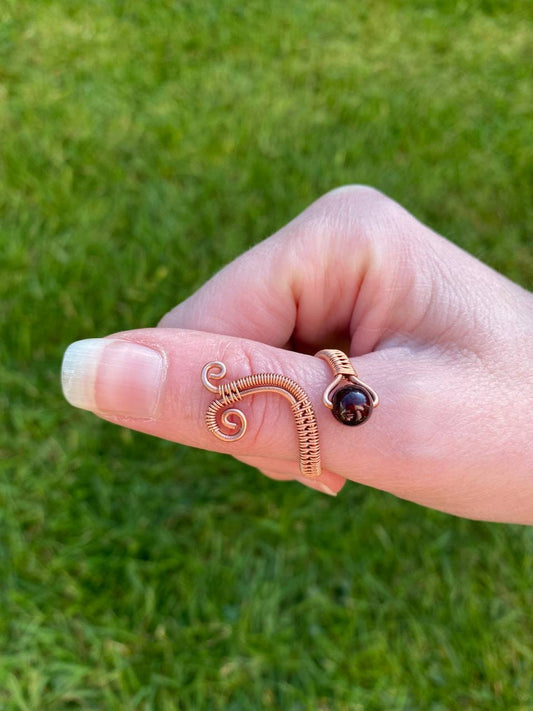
143 145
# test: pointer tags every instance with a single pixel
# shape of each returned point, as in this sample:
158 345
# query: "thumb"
150 380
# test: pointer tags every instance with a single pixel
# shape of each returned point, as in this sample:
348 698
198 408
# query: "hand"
445 341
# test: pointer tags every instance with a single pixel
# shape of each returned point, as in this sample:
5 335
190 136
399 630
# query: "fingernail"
112 376
323 487
317 486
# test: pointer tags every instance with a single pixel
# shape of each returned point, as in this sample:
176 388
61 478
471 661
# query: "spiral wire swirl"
229 423
234 391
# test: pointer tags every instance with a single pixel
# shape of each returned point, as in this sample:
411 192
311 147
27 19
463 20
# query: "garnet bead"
352 405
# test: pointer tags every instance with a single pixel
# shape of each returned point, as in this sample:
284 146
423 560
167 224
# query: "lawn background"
142 146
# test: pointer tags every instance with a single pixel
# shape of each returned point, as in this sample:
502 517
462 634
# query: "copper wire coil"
338 361
234 391
229 423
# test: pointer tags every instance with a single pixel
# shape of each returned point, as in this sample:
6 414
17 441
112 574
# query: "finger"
354 271
352 247
150 380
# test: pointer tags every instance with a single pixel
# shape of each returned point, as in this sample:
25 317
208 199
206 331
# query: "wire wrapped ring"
351 403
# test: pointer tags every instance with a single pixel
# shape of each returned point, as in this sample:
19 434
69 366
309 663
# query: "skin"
446 342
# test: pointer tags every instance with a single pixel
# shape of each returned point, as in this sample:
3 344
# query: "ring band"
351 404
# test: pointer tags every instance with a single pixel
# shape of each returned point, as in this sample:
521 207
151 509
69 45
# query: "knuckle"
359 215
356 201
355 192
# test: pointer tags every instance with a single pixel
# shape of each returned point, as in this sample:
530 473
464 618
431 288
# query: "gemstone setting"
352 405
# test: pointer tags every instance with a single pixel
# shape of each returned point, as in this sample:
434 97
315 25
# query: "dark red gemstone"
352 405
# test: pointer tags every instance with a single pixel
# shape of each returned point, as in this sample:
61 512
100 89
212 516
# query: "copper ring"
221 415
351 400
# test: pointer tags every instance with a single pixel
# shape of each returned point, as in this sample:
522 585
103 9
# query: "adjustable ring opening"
350 400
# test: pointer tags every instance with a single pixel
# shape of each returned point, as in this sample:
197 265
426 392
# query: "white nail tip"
326 489
317 486
113 376
78 371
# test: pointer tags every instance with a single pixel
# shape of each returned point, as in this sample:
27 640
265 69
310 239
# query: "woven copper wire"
234 420
338 361
234 391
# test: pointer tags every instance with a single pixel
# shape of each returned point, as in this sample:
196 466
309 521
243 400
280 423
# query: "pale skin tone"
446 342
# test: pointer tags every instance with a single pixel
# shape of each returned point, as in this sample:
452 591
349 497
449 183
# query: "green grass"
143 145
